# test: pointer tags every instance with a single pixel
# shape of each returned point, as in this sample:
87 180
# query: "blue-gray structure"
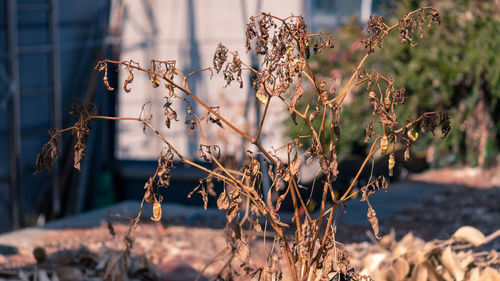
47 52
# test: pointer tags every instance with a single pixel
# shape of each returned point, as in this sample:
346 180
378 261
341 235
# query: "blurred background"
49 48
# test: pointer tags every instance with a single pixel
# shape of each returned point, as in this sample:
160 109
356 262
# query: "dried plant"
308 245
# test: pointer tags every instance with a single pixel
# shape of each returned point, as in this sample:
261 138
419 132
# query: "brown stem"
214 258
296 214
256 138
319 221
200 102
306 211
322 129
372 151
303 117
315 83
363 60
182 158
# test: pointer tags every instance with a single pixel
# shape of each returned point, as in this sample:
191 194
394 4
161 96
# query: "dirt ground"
182 245
472 199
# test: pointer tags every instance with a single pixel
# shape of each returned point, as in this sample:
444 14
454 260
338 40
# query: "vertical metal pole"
251 98
194 64
366 10
14 113
307 14
56 97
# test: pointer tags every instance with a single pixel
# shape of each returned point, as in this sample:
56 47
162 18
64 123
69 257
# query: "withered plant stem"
285 46
349 86
200 102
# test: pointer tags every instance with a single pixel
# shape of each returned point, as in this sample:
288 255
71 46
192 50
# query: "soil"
184 242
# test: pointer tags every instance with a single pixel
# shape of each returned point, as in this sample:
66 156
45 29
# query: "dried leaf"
257 227
254 167
384 144
148 195
232 211
295 166
270 172
81 130
407 153
261 97
490 274
279 201
449 260
392 163
202 154
156 82
48 155
128 80
401 268
412 135
156 211
103 66
223 201
242 250
168 112
369 132
220 57
299 92
165 166
420 273
469 235
215 120
474 274
372 218
309 160
204 196
392 275
323 163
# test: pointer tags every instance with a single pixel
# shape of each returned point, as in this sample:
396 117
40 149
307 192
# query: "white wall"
162 33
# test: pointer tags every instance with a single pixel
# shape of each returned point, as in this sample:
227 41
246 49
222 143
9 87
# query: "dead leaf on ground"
469 235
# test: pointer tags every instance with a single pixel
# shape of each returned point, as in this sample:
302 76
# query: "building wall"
161 30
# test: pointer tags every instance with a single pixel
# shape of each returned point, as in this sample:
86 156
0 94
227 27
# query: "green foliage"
331 65
460 75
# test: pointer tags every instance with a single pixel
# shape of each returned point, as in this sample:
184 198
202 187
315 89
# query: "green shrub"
460 75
